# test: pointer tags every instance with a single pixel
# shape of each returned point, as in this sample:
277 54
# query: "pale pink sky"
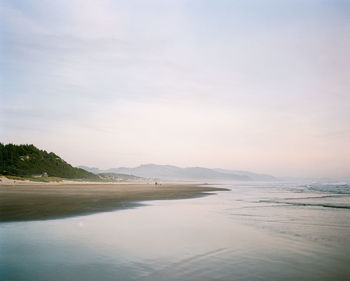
251 85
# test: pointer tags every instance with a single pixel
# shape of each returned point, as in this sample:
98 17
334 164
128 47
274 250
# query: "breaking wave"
337 188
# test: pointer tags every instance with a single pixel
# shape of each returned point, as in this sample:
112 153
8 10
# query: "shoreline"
24 182
53 201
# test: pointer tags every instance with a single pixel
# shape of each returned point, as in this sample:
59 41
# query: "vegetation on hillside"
29 161
116 177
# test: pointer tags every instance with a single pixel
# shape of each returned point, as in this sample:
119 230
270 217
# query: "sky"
243 84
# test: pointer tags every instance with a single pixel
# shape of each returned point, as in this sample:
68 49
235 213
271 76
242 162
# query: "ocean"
255 231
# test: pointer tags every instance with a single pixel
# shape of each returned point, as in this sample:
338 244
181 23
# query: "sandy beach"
47 201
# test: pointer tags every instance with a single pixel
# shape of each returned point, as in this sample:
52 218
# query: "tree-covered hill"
27 160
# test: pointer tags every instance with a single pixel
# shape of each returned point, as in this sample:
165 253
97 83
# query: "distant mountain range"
27 160
168 172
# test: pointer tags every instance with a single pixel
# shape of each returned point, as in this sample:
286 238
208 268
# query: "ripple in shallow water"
238 235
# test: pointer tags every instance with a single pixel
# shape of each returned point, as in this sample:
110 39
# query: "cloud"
243 84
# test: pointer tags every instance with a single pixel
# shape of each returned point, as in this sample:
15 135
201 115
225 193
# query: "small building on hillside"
42 175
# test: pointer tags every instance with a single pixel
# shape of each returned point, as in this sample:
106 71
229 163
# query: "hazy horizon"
261 86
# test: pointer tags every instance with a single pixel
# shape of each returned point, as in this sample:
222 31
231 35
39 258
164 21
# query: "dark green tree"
27 160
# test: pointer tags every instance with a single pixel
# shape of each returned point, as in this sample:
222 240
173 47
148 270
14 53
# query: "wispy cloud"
237 84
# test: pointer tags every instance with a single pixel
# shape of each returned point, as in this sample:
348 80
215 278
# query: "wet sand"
44 201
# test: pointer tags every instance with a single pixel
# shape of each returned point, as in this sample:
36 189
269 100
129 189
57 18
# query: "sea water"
260 231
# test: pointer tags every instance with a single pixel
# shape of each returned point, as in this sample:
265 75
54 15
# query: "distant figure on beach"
156 183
